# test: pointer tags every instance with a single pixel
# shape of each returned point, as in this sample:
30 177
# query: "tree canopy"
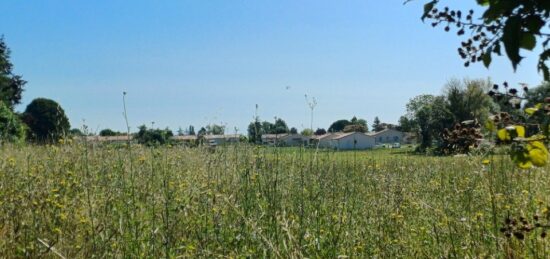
11 85
509 25
46 120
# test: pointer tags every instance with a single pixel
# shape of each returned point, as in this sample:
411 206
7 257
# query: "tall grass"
237 201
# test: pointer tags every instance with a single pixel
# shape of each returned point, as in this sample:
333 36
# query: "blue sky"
199 62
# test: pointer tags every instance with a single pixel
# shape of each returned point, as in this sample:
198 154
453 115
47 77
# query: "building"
185 139
285 139
109 139
344 141
387 136
216 140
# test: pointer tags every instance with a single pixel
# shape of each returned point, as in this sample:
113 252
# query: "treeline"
451 122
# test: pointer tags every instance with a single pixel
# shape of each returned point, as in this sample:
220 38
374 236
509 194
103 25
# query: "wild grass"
78 201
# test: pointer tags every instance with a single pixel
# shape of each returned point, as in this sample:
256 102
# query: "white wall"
356 140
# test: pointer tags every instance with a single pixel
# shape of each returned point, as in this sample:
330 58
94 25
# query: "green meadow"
78 201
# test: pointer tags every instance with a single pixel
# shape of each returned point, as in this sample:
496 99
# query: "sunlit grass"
78 201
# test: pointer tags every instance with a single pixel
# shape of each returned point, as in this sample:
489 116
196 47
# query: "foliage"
307 132
255 132
109 132
461 139
376 126
11 86
320 131
191 130
153 137
46 120
12 129
293 130
214 129
355 128
76 132
512 25
338 125
429 116
244 201
279 127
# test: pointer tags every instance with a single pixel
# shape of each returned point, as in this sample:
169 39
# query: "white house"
285 139
216 140
387 136
345 141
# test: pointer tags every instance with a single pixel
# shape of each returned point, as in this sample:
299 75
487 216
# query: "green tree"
76 132
428 115
512 25
46 120
191 130
307 132
255 131
293 130
279 127
11 85
214 129
355 128
320 131
376 125
12 129
338 125
153 137
108 132
468 100
406 124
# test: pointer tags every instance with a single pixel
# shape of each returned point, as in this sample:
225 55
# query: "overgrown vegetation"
79 201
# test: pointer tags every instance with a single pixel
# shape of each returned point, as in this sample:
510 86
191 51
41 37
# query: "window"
396 138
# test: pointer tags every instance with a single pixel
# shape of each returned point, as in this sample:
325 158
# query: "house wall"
295 140
389 136
354 141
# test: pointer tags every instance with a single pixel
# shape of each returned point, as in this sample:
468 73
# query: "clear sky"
199 62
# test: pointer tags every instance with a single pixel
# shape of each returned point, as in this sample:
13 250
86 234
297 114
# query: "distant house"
216 140
185 139
109 139
285 139
344 141
387 136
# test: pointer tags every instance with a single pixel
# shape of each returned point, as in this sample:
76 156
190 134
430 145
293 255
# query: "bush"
11 127
46 120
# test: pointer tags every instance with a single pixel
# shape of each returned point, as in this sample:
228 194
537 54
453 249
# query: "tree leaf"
511 39
428 8
528 41
487 58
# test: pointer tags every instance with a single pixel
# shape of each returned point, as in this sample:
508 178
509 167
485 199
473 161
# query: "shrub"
46 120
11 127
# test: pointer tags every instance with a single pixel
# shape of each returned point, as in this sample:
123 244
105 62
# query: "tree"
320 131
376 125
406 124
153 137
512 25
76 132
279 127
293 130
355 128
46 120
11 86
307 132
468 100
267 127
12 129
191 130
254 132
202 132
338 125
537 94
214 129
108 132
428 115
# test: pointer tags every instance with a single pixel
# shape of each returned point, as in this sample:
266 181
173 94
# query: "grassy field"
244 201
